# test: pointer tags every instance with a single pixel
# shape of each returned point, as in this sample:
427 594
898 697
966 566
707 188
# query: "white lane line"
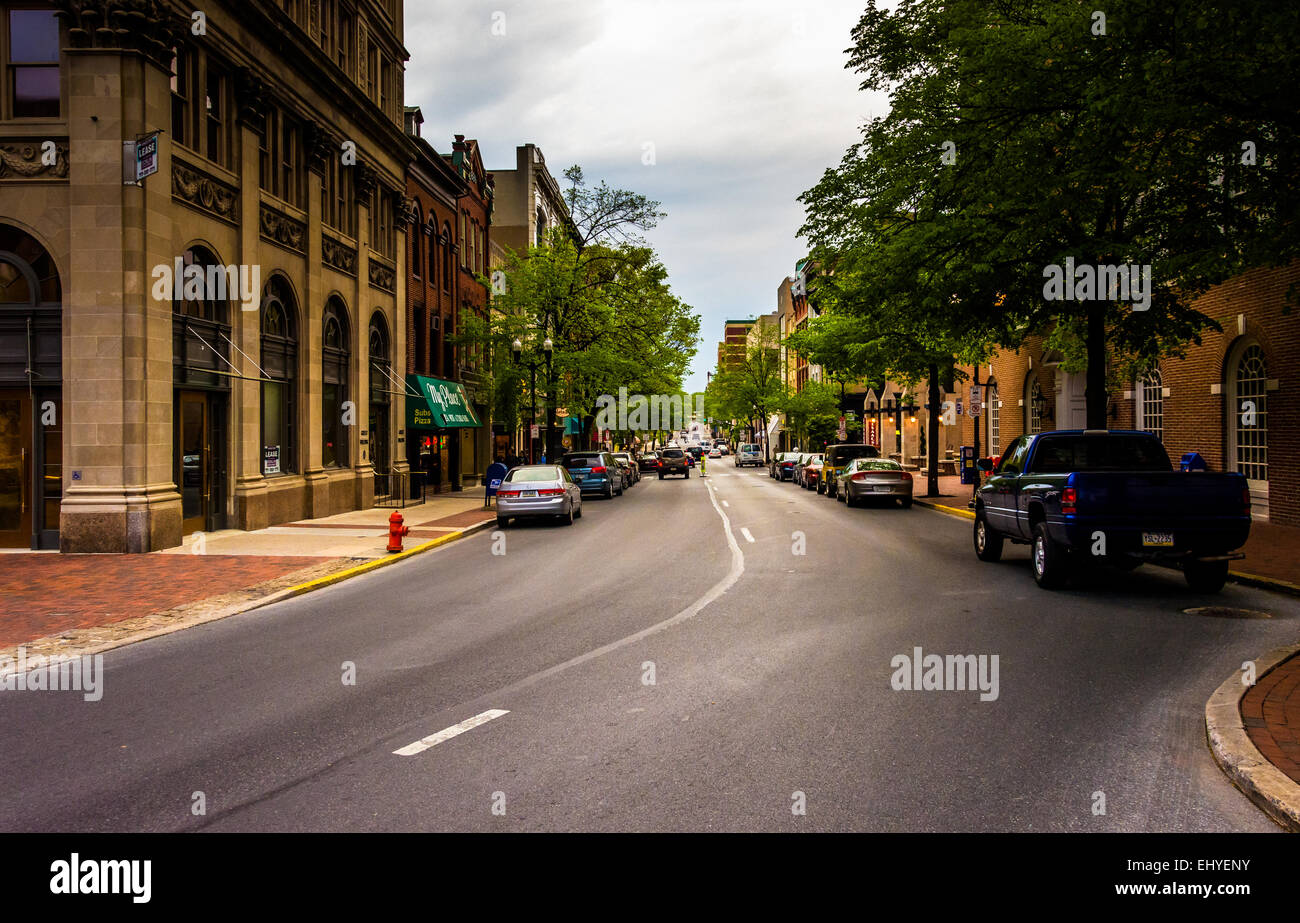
745 532
424 743
726 504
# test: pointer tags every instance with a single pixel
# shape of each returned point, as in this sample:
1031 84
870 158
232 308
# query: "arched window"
337 409
417 251
445 241
280 383
1248 424
991 396
541 226
1034 405
1151 404
381 386
431 229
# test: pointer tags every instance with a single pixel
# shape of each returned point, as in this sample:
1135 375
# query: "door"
194 460
16 500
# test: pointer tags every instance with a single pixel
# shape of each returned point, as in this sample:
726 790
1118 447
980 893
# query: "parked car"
812 473
1109 497
631 472
596 472
875 479
673 460
835 457
722 447
782 466
801 465
538 490
749 453
649 461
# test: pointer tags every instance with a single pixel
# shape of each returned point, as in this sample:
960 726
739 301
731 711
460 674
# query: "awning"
441 404
775 424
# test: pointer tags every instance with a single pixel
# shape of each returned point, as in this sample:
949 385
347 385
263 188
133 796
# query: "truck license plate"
1158 539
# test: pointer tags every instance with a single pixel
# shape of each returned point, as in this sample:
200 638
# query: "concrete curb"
1259 780
1255 580
331 579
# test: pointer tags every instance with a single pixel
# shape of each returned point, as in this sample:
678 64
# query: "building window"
541 226
215 106
417 251
1151 405
345 41
181 80
334 391
385 85
464 242
1033 405
446 256
33 49
1250 413
279 387
381 371
336 199
281 156
372 71
994 437
432 229
382 240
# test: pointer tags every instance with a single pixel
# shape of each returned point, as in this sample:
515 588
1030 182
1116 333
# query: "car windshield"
582 461
845 453
533 473
749 448
672 453
1062 454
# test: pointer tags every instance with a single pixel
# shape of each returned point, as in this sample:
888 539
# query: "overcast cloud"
746 103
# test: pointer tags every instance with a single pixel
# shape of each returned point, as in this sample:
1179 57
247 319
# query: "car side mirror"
984 464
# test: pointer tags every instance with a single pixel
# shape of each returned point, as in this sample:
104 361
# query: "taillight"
550 491
907 476
507 493
599 469
859 477
1069 501
1245 497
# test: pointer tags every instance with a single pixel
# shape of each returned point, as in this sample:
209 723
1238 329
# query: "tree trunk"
1095 388
932 460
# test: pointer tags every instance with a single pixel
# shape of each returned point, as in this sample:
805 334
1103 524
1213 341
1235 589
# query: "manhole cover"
1227 612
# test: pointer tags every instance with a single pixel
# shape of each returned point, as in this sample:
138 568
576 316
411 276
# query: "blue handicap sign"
495 472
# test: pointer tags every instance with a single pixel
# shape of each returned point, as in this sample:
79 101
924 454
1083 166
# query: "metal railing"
399 489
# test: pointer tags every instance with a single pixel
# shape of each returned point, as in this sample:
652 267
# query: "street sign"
843 433
534 431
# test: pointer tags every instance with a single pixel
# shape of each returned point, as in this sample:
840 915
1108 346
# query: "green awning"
441 404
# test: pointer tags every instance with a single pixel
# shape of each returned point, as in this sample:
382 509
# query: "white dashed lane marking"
744 531
424 743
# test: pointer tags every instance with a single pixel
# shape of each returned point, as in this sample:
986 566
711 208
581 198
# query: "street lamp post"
517 350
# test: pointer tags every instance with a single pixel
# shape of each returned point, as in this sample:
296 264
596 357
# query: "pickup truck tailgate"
1204 511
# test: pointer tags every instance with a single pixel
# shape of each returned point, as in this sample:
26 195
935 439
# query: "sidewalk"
87 603
1272 551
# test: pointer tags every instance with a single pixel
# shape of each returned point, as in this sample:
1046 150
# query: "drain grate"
1228 612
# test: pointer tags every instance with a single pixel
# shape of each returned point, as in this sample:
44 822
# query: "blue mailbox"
495 473
1192 461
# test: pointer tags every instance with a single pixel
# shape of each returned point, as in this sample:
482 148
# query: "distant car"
631 471
715 452
649 461
673 460
696 451
724 448
875 479
835 457
782 466
538 490
801 466
595 472
749 453
812 473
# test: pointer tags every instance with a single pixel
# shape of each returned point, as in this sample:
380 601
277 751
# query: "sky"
722 111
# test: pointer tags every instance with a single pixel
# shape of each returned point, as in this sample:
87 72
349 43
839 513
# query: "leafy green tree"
1025 133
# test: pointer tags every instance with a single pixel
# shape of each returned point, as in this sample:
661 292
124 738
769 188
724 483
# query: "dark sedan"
595 472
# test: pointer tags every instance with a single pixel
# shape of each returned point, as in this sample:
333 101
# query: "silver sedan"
538 490
875 479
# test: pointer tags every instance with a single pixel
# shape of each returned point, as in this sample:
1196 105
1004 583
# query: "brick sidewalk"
1271 712
46 594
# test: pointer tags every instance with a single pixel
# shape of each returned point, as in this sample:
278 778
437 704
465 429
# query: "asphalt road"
771 677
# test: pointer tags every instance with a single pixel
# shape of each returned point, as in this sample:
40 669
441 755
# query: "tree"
812 414
1026 136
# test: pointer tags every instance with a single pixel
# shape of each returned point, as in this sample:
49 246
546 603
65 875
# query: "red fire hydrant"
395 531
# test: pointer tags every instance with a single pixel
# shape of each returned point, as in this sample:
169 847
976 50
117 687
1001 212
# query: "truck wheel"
1205 576
1049 559
988 544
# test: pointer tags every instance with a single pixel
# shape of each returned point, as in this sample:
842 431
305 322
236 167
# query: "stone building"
257 386
528 201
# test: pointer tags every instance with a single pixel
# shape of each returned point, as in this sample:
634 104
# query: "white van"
749 453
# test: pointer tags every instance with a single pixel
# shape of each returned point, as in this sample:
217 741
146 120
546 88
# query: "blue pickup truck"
1111 497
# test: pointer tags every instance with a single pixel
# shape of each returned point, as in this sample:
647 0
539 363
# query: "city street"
669 662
